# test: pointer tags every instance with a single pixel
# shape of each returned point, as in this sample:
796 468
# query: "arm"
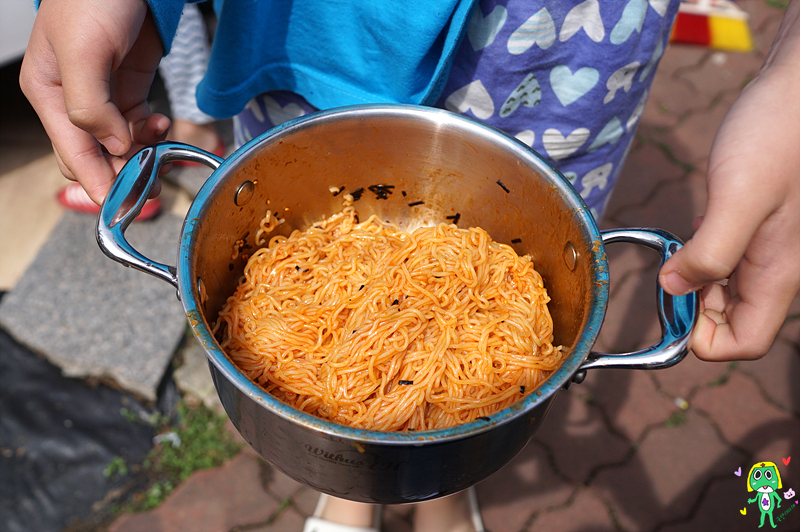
750 233
87 72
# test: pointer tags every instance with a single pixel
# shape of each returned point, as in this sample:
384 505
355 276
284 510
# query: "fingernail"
677 285
114 146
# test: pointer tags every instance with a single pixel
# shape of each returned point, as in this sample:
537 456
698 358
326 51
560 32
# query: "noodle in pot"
370 326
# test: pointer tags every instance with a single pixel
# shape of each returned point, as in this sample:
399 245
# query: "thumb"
717 246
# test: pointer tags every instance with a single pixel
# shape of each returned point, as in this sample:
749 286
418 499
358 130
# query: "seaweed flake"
503 186
454 218
484 418
357 193
415 203
405 383
516 241
396 302
381 191
404 193
521 389
341 189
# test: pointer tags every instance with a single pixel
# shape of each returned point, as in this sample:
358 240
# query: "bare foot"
448 514
203 136
348 513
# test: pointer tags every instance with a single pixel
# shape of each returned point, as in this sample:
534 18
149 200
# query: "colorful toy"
719 24
765 479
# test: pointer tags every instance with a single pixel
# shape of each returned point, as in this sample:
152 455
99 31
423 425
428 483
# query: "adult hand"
87 72
750 233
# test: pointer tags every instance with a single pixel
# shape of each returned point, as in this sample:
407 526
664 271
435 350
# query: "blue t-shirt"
569 78
334 52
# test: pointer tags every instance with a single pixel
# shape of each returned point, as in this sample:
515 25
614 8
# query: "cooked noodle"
370 326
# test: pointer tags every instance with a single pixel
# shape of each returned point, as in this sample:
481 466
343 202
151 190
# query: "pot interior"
413 166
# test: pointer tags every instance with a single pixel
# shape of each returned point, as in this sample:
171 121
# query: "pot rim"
189 296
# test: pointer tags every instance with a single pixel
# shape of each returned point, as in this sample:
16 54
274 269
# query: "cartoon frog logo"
765 479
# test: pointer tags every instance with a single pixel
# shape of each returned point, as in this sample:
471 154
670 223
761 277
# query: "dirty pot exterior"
414 166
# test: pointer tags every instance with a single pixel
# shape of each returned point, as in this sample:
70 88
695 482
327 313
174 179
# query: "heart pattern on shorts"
568 87
539 29
471 97
559 147
482 31
632 20
527 137
585 15
621 79
596 178
527 93
660 6
637 112
279 114
651 64
610 134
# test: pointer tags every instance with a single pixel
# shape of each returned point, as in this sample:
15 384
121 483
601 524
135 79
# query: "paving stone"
628 266
742 414
691 140
212 500
287 521
667 474
305 500
629 399
780 450
676 58
280 485
586 512
27 218
684 378
646 169
790 331
721 72
525 486
719 509
673 207
631 320
93 317
764 21
193 377
658 116
778 374
670 101
189 178
578 438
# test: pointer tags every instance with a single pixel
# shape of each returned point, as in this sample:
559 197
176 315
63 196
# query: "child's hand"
87 72
750 233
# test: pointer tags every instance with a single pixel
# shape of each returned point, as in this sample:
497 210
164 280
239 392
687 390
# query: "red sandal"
74 198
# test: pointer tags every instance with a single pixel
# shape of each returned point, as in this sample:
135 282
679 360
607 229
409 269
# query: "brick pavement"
616 452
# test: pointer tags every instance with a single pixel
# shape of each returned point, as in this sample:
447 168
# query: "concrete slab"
93 317
28 212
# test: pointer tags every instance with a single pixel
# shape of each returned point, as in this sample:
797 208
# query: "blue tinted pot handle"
126 199
677 314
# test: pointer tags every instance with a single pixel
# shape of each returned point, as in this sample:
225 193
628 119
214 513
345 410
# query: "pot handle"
126 199
677 314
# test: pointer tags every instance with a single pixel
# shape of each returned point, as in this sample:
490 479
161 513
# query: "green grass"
780 4
676 419
204 443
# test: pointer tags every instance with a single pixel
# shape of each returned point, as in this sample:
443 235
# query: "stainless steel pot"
395 156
